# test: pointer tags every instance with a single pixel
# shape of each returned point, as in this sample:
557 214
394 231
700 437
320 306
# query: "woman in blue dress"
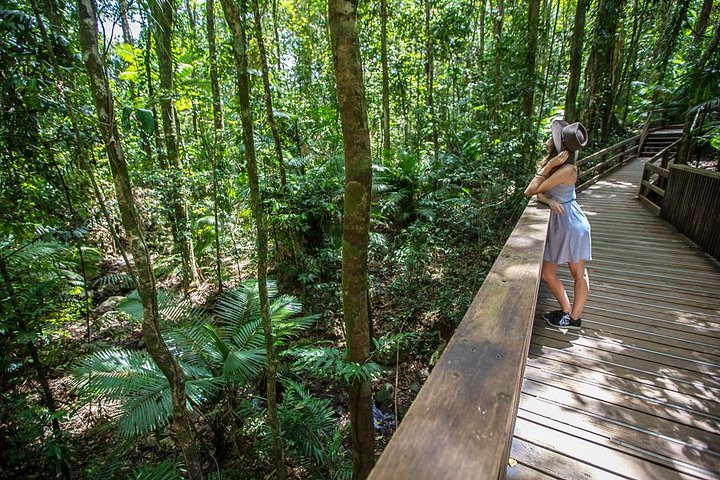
568 238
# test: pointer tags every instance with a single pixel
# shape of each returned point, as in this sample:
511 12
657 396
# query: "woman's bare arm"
555 206
541 182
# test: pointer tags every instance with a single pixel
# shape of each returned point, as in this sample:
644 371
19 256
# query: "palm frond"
115 374
133 379
248 336
237 306
146 410
712 104
33 253
244 365
195 345
122 280
162 471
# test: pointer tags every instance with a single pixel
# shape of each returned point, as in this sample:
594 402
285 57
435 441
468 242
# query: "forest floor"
430 302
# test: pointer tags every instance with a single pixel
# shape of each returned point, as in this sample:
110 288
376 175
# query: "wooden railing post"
644 134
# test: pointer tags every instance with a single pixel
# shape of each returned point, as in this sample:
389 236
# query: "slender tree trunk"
233 17
430 79
497 71
148 27
529 94
163 12
548 67
87 14
385 80
218 147
702 20
671 38
626 77
276 31
356 221
40 370
575 61
268 95
599 67
694 97
127 37
125 22
481 39
82 152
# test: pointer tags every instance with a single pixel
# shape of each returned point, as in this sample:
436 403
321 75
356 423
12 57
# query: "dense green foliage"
438 219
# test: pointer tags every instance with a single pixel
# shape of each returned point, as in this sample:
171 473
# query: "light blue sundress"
568 238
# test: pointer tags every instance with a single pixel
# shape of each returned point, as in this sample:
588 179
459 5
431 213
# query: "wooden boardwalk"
635 394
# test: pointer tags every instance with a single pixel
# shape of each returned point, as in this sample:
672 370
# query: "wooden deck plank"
624 439
610 369
613 325
636 392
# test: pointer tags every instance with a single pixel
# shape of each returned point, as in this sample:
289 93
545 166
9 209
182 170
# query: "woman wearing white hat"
568 239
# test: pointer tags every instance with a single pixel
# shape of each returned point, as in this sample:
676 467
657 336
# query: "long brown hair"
551 153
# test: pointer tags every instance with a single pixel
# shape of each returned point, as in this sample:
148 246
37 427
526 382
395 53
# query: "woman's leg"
549 275
581 289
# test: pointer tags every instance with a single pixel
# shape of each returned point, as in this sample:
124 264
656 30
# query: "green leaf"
146 119
130 74
125 117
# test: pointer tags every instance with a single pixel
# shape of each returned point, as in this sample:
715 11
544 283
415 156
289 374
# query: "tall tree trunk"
163 12
218 147
626 78
82 152
276 31
233 17
529 94
670 39
695 96
268 95
125 21
40 369
148 27
87 15
702 20
599 69
548 65
356 221
575 61
385 80
497 72
430 79
481 37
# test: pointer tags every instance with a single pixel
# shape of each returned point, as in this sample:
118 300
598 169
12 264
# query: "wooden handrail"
647 185
462 421
606 150
606 165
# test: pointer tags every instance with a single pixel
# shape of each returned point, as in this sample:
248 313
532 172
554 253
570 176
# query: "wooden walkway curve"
635 394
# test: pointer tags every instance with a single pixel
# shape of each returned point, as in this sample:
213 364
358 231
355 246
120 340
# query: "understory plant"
218 354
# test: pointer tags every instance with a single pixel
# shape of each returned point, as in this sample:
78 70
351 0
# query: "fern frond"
163 471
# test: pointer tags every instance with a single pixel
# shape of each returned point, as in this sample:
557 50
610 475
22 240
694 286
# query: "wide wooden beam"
461 423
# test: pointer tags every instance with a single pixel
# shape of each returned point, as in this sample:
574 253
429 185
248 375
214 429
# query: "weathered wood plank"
655 209
656 169
640 380
616 436
460 425
611 369
652 187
